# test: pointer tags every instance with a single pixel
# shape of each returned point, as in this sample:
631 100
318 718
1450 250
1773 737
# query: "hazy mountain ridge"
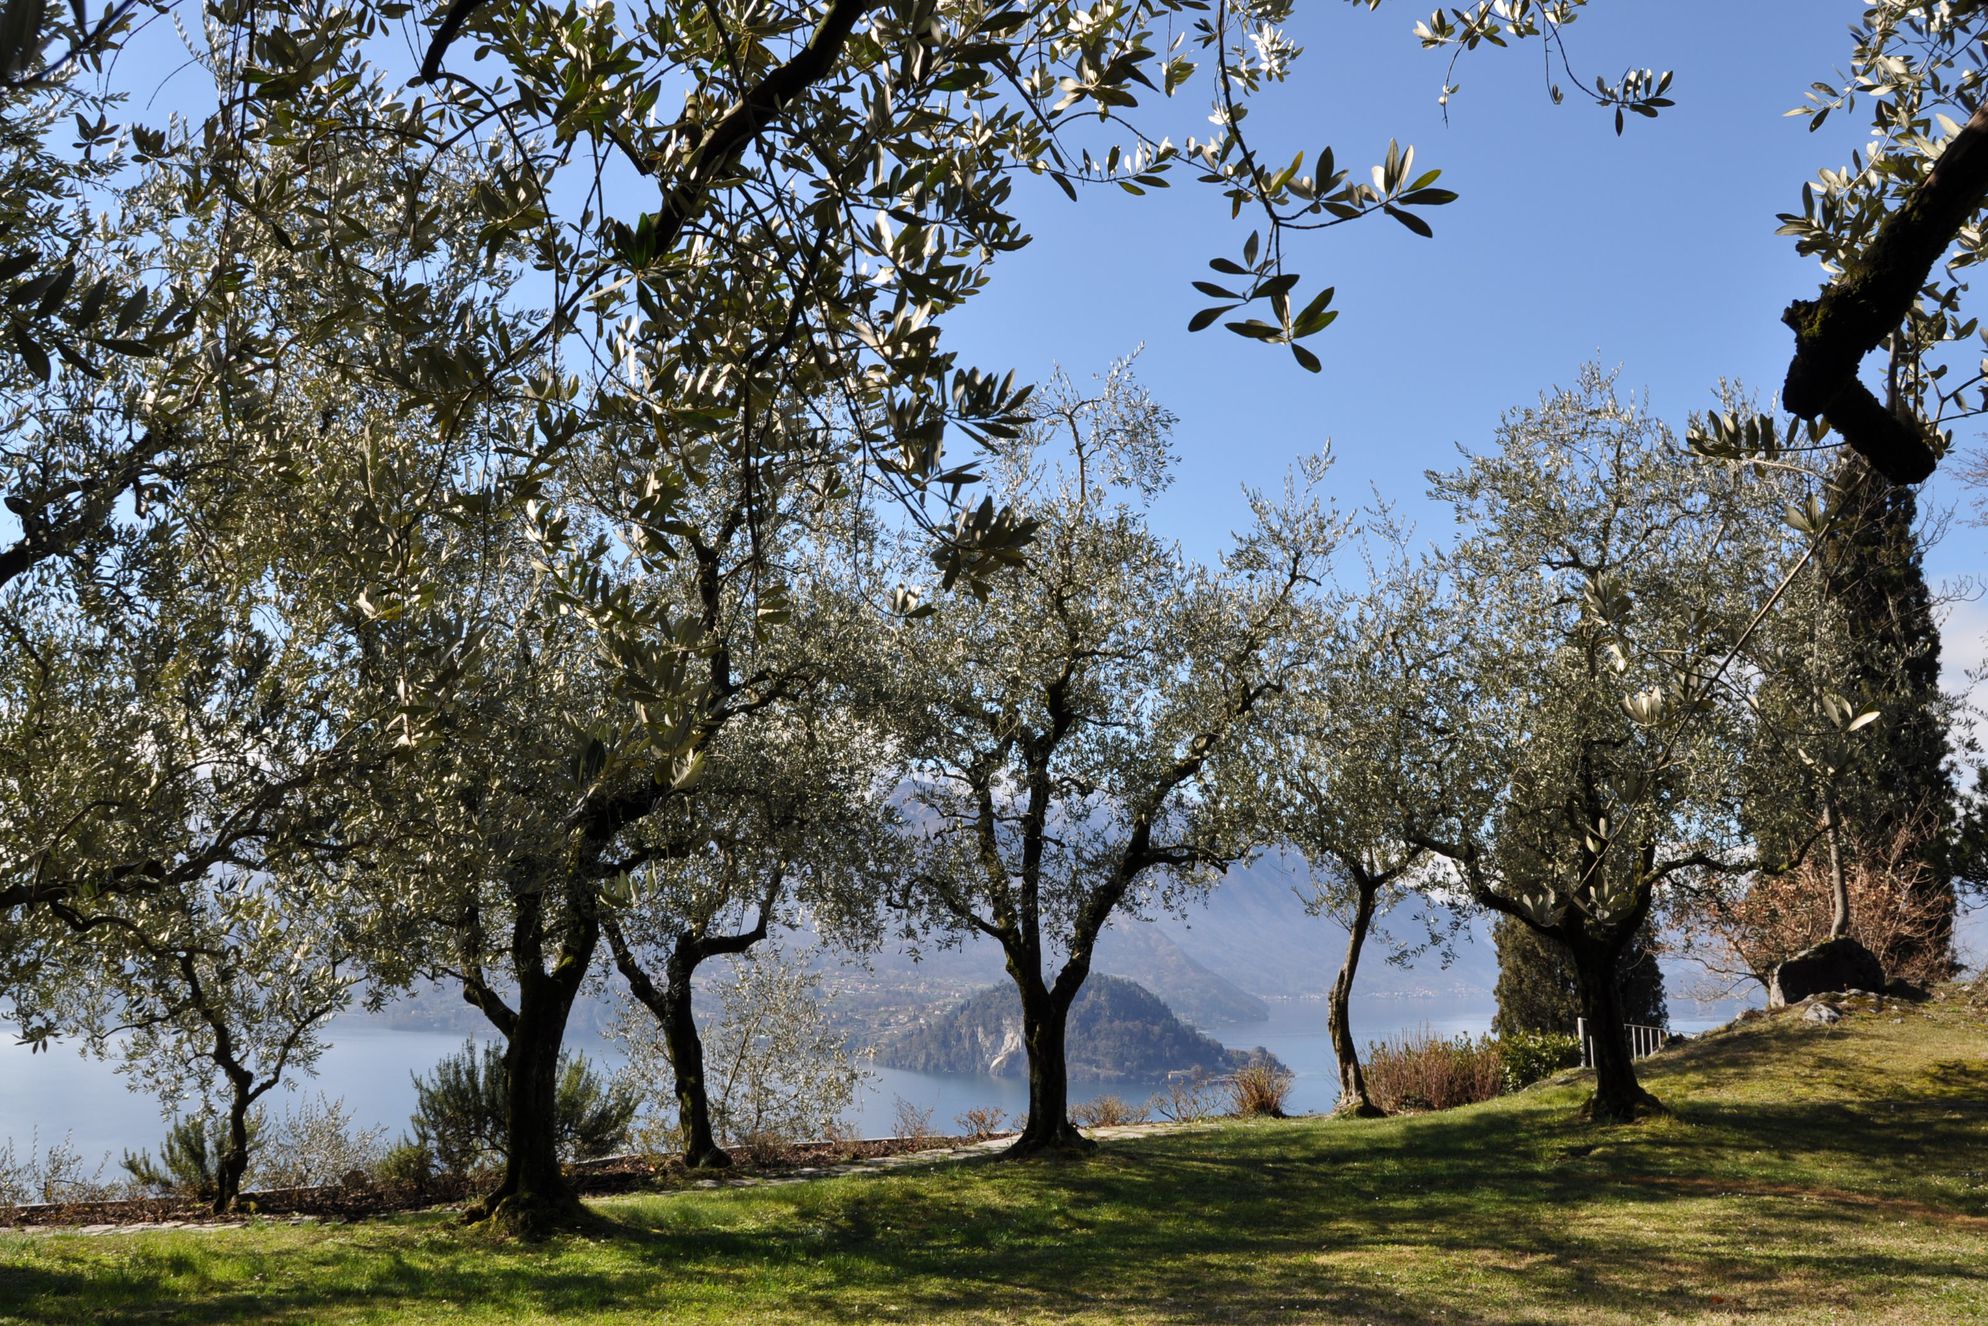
894 988
1213 964
1254 930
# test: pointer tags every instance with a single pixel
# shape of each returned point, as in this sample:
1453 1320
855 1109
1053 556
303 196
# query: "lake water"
62 1093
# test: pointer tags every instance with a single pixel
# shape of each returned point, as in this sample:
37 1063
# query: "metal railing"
1643 1041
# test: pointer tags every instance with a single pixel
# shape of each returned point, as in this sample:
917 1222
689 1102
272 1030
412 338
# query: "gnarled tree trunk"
1618 1096
700 1147
534 1198
534 1193
673 1009
232 1164
1353 1097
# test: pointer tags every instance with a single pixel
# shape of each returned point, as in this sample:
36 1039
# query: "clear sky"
1654 252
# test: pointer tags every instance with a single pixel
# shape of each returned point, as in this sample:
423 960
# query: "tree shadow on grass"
1504 1214
1283 1224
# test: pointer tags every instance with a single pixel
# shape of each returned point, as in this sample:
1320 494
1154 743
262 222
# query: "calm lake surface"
65 1094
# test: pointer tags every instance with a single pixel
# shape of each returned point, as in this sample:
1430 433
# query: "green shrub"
189 1162
405 1164
462 1111
1525 1057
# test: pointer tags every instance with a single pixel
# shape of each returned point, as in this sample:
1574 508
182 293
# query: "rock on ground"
1831 966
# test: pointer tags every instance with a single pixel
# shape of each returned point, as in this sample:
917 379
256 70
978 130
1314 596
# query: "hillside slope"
1809 1174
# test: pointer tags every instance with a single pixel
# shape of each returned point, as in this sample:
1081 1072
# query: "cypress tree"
1899 789
1970 841
1538 989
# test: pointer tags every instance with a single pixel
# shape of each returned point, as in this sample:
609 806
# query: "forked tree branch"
1868 301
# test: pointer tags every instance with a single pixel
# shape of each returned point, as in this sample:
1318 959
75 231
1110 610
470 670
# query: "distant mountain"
1145 953
894 987
1119 1030
1253 929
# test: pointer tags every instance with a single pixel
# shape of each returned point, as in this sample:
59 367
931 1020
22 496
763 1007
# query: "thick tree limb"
714 151
1872 296
457 14
720 146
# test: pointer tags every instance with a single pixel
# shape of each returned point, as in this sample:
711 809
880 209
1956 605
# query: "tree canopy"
487 480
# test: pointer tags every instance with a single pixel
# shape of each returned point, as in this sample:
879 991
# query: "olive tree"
223 991
1607 581
1060 736
777 1068
708 197
570 667
499 830
142 262
267 465
1806 751
1349 769
789 822
181 887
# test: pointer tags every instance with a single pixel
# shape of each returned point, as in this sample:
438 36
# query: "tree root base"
715 1157
529 1216
1642 1106
1066 1141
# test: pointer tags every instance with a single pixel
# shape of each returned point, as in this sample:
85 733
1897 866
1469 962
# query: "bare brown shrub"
1258 1090
1423 1071
911 1123
982 1122
1106 1112
1746 928
762 1148
1187 1098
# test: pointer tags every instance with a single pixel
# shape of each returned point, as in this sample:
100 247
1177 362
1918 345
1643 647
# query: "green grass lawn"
1808 1174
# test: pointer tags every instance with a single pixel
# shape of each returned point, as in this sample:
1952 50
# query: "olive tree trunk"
1353 1097
1045 1030
674 1011
534 1197
1618 1096
700 1147
232 1164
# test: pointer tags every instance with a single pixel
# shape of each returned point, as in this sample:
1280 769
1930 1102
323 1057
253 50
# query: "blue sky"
1654 252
